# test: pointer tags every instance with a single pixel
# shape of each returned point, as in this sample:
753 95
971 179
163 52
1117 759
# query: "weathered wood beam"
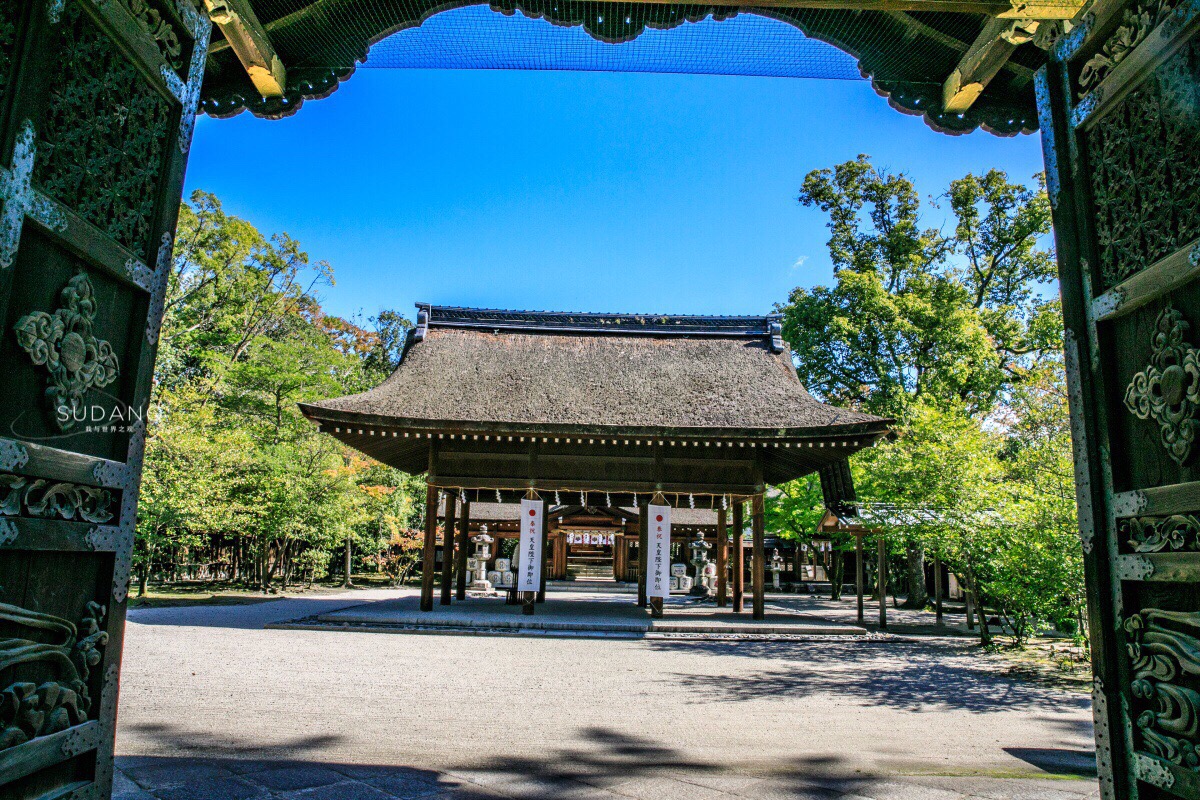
881 578
464 542
429 551
722 560
758 567
248 39
739 556
448 530
858 574
991 50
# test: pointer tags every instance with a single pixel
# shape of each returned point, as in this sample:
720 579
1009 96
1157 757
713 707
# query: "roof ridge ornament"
491 319
422 329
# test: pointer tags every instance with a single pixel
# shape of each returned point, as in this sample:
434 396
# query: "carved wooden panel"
96 111
1144 159
1120 109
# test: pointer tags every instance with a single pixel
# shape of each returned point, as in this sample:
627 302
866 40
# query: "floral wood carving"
1164 649
63 342
21 495
29 709
1168 391
1145 170
1135 27
1155 534
164 33
104 137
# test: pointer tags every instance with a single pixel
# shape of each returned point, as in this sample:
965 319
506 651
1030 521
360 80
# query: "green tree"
234 473
915 316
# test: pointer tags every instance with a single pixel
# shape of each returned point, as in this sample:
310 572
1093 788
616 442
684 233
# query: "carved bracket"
1168 391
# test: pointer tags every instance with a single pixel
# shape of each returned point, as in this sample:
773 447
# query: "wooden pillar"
541 593
881 582
429 554
643 546
464 544
937 587
858 574
739 557
448 532
760 557
722 560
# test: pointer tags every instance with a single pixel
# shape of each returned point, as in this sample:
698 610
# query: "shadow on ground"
931 676
248 617
606 764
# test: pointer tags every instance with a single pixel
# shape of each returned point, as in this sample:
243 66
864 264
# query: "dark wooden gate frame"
66 537
1117 124
71 202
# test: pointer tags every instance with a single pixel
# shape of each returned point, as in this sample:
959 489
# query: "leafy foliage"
238 485
956 336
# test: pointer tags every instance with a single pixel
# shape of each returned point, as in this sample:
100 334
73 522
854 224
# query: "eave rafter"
990 52
245 35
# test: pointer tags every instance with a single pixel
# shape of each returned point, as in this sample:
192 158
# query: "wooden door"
97 102
1120 115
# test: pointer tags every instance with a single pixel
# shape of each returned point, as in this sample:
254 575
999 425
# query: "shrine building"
599 416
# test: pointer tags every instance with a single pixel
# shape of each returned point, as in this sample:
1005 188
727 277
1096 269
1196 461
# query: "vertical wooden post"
739 566
464 544
937 587
760 557
722 560
643 546
858 574
429 554
448 532
881 582
541 593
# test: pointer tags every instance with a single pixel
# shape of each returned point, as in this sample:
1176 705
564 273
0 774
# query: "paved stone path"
580 611
213 706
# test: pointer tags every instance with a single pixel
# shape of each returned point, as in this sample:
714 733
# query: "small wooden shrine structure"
694 411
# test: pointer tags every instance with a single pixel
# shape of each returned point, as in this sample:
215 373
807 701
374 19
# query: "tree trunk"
917 596
348 583
837 578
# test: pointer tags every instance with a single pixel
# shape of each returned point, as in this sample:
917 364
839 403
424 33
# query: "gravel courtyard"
213 706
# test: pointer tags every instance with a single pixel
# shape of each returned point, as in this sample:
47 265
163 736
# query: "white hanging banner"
530 579
658 568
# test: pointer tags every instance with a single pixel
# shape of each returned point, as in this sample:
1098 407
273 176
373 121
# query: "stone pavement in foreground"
157 778
215 706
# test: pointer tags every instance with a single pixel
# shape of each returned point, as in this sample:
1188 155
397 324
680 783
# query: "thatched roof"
517 371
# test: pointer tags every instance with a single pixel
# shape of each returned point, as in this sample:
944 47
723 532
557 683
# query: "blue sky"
570 190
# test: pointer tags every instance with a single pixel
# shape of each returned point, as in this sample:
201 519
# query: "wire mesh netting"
476 37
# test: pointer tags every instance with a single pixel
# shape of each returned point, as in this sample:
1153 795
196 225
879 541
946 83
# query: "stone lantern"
483 551
700 548
776 567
